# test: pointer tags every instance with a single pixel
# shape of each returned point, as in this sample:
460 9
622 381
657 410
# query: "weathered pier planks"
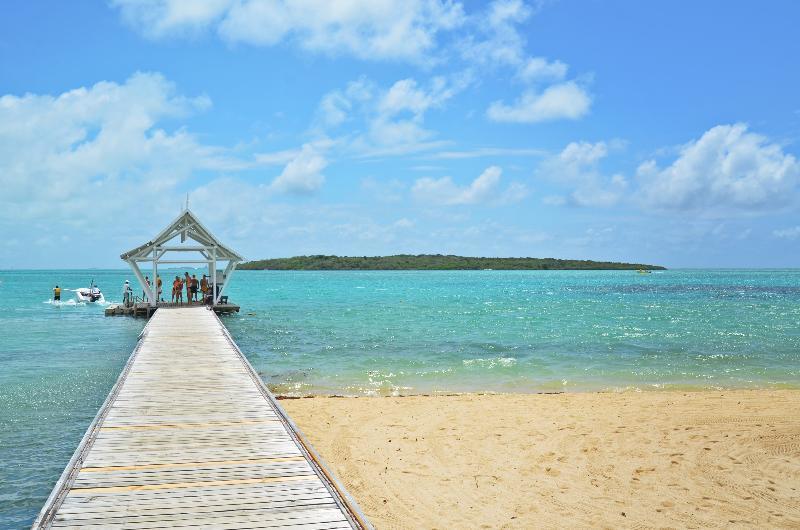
189 436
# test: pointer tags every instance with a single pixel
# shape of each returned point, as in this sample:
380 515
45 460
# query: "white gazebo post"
186 226
154 281
226 277
213 276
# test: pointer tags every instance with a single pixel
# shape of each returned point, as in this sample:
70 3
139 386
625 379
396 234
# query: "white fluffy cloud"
397 124
537 69
499 42
90 148
578 166
105 142
71 162
408 30
564 100
386 121
303 174
727 169
497 39
368 29
406 95
484 189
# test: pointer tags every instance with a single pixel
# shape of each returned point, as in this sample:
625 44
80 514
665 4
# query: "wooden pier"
190 437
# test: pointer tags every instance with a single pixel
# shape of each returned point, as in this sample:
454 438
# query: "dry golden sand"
653 459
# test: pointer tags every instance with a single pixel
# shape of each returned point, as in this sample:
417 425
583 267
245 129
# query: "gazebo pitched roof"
211 251
185 225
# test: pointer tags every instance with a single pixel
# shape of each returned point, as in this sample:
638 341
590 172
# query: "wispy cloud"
386 121
277 157
787 233
483 190
577 166
482 152
388 29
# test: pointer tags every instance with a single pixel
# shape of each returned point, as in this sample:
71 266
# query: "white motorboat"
90 294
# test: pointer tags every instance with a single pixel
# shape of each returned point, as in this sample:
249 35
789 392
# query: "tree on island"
435 262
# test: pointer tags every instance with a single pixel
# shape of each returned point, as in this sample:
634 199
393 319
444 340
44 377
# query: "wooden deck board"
189 437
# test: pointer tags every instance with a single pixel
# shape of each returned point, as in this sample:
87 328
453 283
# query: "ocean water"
384 333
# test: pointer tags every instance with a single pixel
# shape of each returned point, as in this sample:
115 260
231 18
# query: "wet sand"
652 459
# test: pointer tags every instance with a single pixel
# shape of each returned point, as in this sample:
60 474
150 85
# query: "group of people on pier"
196 290
193 287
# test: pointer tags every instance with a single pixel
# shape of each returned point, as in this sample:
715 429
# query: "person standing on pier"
187 282
204 287
177 290
195 286
127 293
158 288
149 284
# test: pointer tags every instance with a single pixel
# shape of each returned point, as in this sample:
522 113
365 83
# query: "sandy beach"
652 459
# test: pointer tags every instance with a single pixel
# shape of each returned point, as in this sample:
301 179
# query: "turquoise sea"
383 333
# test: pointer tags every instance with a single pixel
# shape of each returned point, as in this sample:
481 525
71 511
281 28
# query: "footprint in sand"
552 472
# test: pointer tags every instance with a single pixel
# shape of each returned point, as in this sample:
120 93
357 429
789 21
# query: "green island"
435 262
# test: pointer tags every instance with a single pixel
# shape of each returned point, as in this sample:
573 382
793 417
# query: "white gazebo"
204 249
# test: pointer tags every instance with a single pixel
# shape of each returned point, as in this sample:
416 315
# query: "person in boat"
56 293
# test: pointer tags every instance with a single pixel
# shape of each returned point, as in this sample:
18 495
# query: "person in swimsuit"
195 286
187 283
177 292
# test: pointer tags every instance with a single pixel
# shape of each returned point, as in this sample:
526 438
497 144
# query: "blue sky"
660 132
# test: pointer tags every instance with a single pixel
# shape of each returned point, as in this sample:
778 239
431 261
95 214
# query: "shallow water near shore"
397 332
